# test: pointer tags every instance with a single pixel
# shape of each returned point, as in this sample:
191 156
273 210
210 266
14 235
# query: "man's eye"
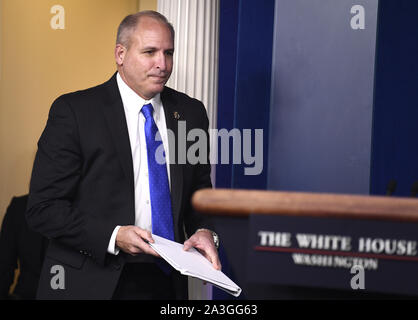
169 53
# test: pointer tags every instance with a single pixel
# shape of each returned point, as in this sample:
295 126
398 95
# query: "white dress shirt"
135 120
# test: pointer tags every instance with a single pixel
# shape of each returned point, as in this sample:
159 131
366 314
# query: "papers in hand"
192 263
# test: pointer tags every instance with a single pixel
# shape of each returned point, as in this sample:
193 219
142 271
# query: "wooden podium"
245 202
315 239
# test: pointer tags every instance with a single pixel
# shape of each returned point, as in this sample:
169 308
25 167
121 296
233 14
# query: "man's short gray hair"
130 22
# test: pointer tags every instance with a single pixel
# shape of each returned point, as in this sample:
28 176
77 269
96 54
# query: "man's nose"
161 62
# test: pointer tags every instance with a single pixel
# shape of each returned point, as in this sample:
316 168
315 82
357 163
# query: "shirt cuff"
112 249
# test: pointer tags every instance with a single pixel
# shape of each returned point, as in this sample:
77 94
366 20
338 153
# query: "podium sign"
352 254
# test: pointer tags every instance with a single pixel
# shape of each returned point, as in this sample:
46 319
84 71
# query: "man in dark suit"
90 190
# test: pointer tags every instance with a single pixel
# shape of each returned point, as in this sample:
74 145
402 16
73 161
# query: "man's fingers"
187 245
142 242
134 250
207 251
145 237
144 234
214 259
142 247
134 240
217 264
150 250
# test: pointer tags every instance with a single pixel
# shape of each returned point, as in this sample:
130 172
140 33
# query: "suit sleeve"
201 180
52 206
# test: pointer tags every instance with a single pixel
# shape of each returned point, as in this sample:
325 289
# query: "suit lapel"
176 171
116 121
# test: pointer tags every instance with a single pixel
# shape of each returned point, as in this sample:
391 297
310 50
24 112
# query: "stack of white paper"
193 263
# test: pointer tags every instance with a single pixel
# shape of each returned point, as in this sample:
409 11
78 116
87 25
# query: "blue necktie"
162 218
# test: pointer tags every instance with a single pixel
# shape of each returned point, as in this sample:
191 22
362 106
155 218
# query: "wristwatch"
214 235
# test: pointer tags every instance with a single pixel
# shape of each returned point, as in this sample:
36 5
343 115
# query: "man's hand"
132 240
203 241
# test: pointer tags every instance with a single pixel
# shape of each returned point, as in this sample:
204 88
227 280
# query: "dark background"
313 141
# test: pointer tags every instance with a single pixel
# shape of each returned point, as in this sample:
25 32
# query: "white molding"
195 71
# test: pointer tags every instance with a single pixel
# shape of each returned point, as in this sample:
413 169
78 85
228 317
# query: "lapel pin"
176 115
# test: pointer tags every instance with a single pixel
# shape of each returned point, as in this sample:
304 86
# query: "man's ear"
120 52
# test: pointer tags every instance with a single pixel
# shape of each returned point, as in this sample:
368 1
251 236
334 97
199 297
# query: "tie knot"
147 110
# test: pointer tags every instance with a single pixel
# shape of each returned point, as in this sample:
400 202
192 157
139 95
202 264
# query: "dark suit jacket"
82 187
19 243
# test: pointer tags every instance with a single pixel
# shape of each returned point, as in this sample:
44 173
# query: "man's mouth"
159 79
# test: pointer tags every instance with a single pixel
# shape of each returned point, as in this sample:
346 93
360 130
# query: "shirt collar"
133 103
